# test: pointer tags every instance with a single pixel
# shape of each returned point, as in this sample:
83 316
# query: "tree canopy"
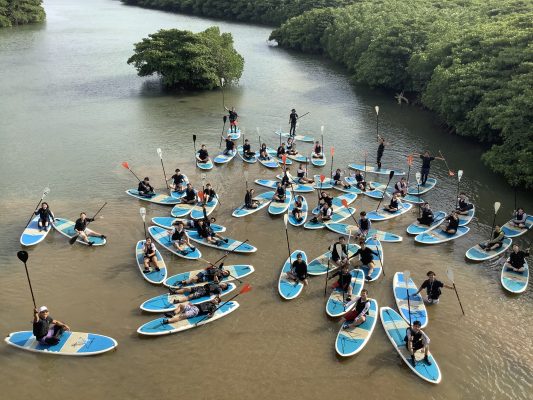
18 12
189 60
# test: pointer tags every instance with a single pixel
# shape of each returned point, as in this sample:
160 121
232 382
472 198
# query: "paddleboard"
157 328
277 208
374 245
231 245
272 163
288 289
181 210
395 328
351 341
166 223
437 236
335 306
154 277
32 235
165 302
301 138
205 166
319 265
337 216
299 158
317 161
512 231
416 227
225 158
374 170
476 253
379 188
197 211
264 200
274 154
416 303
465 219
236 272
268 183
327 184
515 282
344 229
66 228
178 194
382 214
414 189
158 198
352 189
296 186
235 135
70 343
337 202
162 237
251 160
292 220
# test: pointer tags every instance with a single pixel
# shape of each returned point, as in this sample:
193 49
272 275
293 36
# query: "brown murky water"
72 110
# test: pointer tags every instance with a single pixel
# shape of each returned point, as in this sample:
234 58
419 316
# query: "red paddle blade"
126 165
246 288
344 203
322 178
410 160
284 158
332 151
201 195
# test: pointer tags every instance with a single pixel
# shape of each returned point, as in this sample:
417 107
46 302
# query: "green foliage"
189 60
18 12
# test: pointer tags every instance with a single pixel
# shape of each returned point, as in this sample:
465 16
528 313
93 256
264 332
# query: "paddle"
391 174
46 190
377 121
327 273
450 172
418 177
75 237
449 272
142 211
224 118
496 208
406 275
322 178
127 166
194 145
285 221
381 261
332 152
409 163
160 154
301 116
459 176
245 289
222 88
345 204
23 256
246 179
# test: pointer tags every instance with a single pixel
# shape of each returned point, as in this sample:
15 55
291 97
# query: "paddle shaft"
458 299
408 301
223 128
134 175
164 173
391 175
194 145
301 116
381 262
227 253
450 172
327 273
220 306
75 237
29 283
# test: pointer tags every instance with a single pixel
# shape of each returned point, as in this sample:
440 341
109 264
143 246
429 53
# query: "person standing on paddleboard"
233 116
415 339
433 288
426 164
365 258
188 310
81 229
357 315
298 271
47 330
496 240
517 259
145 189
45 215
293 119
178 181
381 149
427 217
149 256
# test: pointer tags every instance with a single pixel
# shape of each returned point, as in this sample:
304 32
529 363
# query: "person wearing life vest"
517 259
324 214
46 329
339 252
80 227
463 204
293 119
433 288
280 194
364 225
343 282
285 181
209 235
496 240
149 256
452 223
209 193
298 271
233 116
291 147
45 215
180 239
203 155
209 274
325 198
357 315
145 189
401 187
189 310
366 257
337 179
297 211
427 217
394 204
361 183
415 339
247 150
178 181
263 153
281 151
195 292
519 218
301 175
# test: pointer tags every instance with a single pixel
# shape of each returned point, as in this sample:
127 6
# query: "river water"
72 110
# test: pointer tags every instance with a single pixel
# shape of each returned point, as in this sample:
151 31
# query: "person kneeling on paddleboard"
47 330
178 181
209 274
339 252
415 339
365 258
297 212
280 194
337 179
179 238
519 218
463 205
517 259
394 204
150 256
188 310
81 229
45 215
233 116
496 240
357 315
427 217
203 155
343 282
298 271
432 287
453 223
145 189
247 150
195 292
230 146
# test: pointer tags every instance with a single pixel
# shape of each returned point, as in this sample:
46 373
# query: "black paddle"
75 237
449 272
391 174
23 256
224 118
46 190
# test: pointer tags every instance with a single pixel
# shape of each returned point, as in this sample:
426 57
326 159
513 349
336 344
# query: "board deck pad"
351 341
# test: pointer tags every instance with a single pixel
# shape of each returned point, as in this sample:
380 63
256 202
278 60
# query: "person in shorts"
149 256
188 310
195 292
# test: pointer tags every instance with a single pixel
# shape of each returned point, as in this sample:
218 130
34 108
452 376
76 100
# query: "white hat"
43 308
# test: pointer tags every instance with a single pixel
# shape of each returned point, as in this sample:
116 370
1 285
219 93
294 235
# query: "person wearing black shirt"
298 271
496 240
317 150
519 218
145 189
209 274
361 183
433 288
45 215
195 292
263 152
230 146
81 229
343 282
426 165
427 217
364 224
366 257
293 119
149 256
280 194
247 150
301 173
180 239
401 187
203 155
339 252
291 146
325 198
381 149
190 195
517 259
209 193
463 204
47 330
189 310
337 179
178 181
357 315
209 235
453 223
281 151
233 116
249 201
297 212
416 339
394 204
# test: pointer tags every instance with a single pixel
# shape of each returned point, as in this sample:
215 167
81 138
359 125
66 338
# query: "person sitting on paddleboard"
81 229
293 119
357 315
249 201
366 257
285 180
361 183
337 179
394 204
415 339
401 187
209 193
433 288
301 174
519 218
179 237
149 256
280 194
427 217
426 165
325 199
298 271
47 330
178 181
263 153
381 149
247 150
45 215
297 212
496 240
291 146
452 223
188 310
190 195
364 225
339 252
195 292
324 215
233 116
209 274
230 146
317 151
203 155
281 151
463 204
343 282
517 259
145 189
208 234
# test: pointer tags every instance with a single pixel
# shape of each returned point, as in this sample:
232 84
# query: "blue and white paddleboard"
322 264
375 245
414 189
251 160
512 231
264 200
465 219
178 194
162 236
374 170
289 289
382 214
379 188
158 198
337 216
351 341
345 229
165 302
155 277
197 212
299 158
225 158
70 343
232 244
268 183
327 184
437 236
336 304
166 223
515 282
278 207
337 202
32 234
416 227
66 228
274 154
301 138
318 160
204 165
181 210
235 135
416 304
236 272
352 189
157 328
271 163
297 186
292 220
476 253
395 328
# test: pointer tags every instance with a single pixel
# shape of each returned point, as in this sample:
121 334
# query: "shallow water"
72 110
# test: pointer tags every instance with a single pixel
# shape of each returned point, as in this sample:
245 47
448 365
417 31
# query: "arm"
35 316
59 323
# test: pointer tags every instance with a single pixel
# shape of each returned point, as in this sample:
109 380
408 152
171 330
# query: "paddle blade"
332 151
22 256
285 219
46 191
284 159
322 178
410 160
418 176
194 138
449 272
391 174
222 80
159 153
201 195
142 211
246 288
459 175
125 165
73 239
322 129
497 206
344 203
377 110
